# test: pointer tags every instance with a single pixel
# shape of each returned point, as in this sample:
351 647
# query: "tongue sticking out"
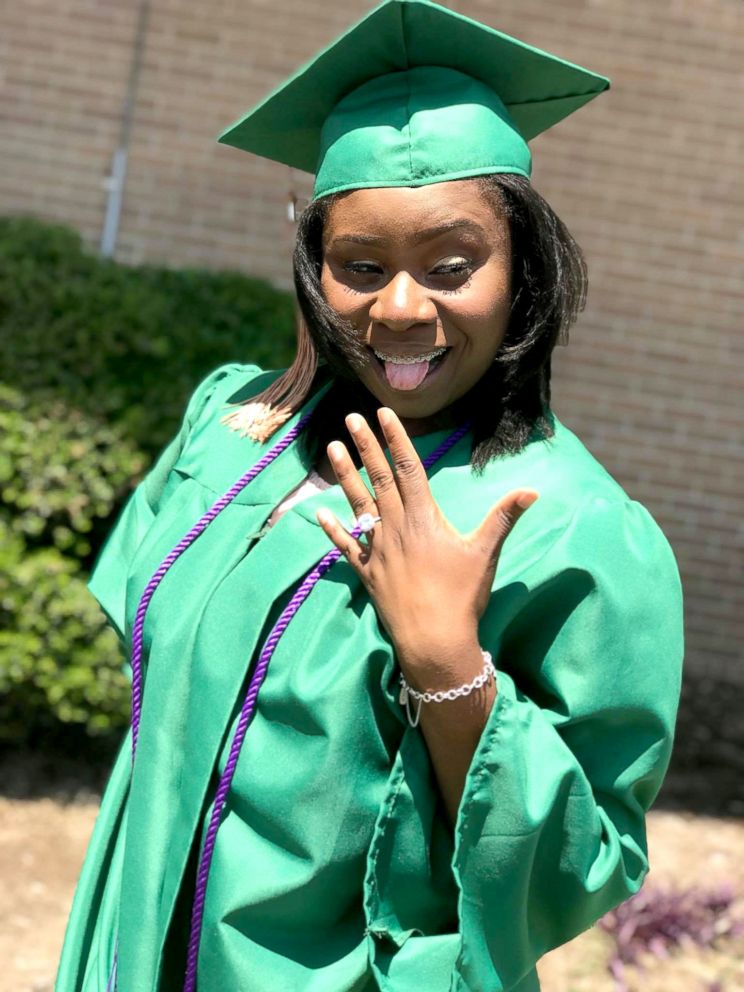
406 376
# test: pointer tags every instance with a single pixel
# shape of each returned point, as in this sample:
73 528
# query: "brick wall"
648 177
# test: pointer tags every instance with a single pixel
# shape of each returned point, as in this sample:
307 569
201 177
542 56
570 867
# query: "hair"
510 403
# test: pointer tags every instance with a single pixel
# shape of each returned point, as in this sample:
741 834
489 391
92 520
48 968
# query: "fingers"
356 553
501 519
409 470
380 474
359 497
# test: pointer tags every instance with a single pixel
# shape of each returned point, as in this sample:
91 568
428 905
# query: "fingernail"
354 422
323 516
526 499
335 451
383 415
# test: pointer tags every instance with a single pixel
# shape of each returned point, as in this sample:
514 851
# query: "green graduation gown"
334 868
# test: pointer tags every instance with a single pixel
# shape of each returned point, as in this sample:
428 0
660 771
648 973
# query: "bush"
126 345
59 661
97 361
61 472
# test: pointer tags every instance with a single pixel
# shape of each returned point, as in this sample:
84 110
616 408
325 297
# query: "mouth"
405 371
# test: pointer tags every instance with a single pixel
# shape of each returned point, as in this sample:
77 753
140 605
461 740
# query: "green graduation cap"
414 94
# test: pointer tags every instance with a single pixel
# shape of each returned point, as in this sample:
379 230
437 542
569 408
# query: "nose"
401 303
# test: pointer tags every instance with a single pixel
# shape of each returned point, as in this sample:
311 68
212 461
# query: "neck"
438 421
327 423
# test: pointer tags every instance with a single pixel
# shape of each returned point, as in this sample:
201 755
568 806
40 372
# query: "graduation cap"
414 94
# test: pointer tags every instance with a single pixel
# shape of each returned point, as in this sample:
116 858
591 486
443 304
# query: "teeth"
409 359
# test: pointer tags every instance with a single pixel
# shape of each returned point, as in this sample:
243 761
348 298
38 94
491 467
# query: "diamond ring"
366 522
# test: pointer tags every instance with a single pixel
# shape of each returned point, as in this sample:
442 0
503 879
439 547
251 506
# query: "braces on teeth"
409 359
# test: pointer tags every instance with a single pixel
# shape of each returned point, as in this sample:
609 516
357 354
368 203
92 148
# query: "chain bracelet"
444 695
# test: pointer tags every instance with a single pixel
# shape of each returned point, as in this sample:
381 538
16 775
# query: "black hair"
511 401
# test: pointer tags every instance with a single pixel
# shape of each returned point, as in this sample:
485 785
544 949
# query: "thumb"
500 519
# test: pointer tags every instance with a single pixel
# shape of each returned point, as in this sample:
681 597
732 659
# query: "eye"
453 274
363 268
453 266
361 276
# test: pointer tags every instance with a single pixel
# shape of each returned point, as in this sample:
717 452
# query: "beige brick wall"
648 177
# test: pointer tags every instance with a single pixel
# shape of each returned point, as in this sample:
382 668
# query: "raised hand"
429 584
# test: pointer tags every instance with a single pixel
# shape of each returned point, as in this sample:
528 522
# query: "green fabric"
417 127
334 869
414 94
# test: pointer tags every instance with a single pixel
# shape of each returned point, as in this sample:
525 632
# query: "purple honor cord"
249 703
199 527
111 983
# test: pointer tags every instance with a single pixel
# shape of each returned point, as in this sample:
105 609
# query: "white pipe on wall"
114 183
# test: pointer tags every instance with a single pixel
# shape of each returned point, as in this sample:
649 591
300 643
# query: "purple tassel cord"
175 554
249 703
111 983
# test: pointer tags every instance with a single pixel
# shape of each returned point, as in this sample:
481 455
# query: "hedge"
61 472
97 361
126 345
59 662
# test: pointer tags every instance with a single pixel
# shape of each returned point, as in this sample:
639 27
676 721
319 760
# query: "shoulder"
587 525
587 550
559 467
562 469
213 453
584 518
229 383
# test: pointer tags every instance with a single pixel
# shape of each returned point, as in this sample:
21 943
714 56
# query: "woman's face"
423 273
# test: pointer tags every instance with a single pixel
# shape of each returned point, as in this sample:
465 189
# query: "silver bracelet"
443 695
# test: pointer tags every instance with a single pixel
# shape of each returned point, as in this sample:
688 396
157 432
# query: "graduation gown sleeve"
585 624
551 833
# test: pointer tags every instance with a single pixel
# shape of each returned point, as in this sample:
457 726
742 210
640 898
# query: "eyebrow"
425 234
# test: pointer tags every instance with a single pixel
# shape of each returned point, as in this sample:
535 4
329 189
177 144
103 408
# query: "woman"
333 787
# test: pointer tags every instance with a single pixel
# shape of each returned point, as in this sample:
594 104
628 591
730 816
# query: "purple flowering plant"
659 919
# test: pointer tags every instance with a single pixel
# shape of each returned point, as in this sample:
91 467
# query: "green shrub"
97 361
59 661
61 472
126 345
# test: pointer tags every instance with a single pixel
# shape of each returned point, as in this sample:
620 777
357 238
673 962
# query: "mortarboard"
414 94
